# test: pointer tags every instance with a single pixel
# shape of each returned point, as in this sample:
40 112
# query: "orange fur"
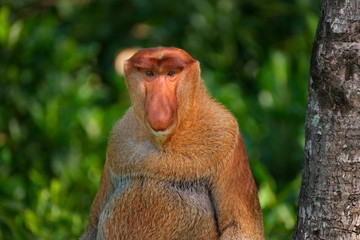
190 180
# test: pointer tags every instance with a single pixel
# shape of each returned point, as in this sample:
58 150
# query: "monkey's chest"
148 209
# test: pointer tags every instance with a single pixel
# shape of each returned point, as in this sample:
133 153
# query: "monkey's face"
154 78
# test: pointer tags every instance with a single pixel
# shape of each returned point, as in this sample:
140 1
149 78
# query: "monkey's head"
162 83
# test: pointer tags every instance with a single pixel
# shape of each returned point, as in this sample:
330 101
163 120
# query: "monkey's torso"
162 194
144 208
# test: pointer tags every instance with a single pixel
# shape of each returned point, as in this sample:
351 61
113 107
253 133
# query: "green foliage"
60 96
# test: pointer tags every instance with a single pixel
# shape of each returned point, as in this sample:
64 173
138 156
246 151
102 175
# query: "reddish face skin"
161 71
160 100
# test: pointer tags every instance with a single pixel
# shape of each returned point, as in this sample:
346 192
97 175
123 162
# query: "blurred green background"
60 96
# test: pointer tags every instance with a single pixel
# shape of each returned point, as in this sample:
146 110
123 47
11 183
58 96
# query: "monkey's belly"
147 209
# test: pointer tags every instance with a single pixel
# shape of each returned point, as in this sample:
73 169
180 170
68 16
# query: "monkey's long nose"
159 114
159 110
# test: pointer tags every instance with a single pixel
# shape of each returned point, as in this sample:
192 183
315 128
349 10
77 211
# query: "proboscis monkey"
176 166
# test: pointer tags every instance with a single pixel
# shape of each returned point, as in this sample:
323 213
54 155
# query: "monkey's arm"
236 200
102 196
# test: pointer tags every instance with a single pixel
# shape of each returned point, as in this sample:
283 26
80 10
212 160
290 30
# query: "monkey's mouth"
159 133
160 137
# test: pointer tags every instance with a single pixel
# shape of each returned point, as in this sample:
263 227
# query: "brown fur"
192 181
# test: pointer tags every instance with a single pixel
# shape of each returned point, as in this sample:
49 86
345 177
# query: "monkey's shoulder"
220 114
128 125
217 122
128 140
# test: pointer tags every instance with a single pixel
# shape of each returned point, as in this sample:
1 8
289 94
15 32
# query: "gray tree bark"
329 202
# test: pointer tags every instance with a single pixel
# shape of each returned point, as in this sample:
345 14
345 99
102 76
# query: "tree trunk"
329 202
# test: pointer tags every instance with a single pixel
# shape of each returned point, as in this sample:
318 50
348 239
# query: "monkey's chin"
160 137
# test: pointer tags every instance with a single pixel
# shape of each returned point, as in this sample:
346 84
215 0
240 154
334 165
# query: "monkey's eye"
171 73
149 73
